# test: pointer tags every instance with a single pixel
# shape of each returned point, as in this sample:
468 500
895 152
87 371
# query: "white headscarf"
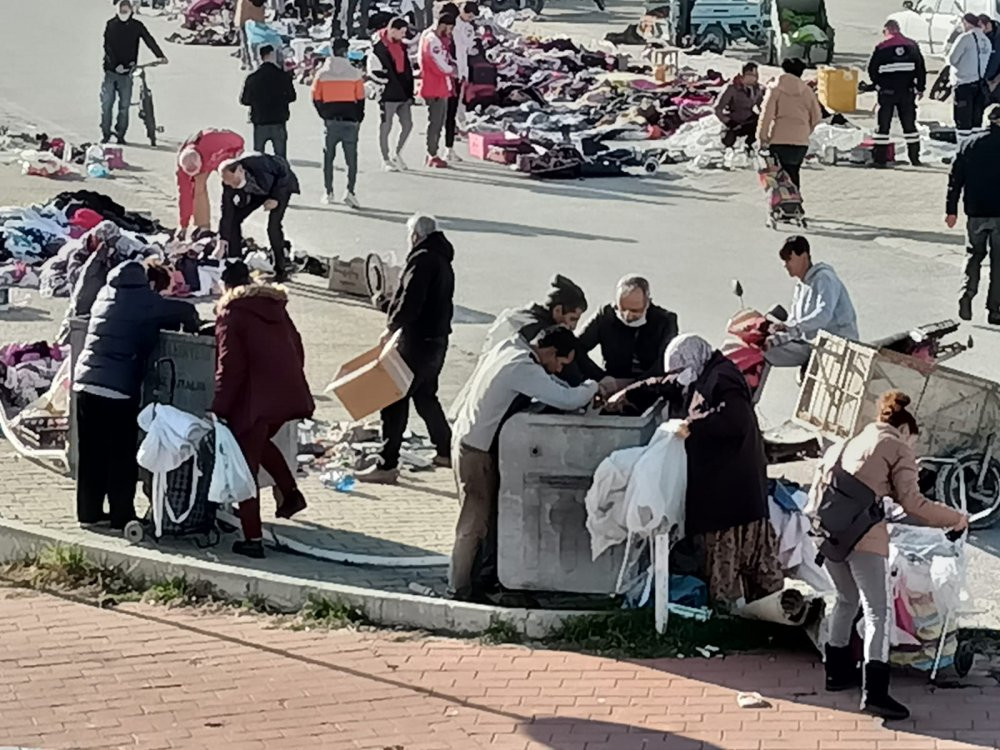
689 353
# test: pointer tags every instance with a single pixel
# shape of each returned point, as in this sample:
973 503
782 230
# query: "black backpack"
847 511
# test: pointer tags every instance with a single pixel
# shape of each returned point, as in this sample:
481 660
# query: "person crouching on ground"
882 458
260 385
198 157
125 323
738 108
338 93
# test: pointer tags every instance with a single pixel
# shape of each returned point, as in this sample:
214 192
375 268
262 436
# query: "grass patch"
631 634
501 631
67 568
321 612
179 591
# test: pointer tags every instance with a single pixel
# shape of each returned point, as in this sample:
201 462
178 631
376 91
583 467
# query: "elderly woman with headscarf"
198 157
727 478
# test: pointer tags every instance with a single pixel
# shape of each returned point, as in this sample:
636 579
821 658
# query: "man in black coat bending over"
633 335
249 183
421 310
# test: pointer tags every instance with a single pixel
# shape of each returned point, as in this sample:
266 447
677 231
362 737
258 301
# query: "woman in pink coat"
199 156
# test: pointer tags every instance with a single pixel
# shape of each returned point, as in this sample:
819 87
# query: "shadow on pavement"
865 232
570 733
25 315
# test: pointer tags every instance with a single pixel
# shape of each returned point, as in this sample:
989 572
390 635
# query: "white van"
933 23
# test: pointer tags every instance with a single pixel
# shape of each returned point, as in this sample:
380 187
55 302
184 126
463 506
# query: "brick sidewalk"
73 676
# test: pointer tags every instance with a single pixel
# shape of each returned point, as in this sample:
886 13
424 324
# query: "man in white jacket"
969 58
464 37
820 303
506 379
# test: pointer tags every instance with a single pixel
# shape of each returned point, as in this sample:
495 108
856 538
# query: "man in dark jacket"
738 107
125 324
898 71
975 173
121 53
249 183
633 335
389 66
268 91
260 385
421 311
338 94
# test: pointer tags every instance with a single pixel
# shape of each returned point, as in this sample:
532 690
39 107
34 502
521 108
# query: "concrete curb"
19 541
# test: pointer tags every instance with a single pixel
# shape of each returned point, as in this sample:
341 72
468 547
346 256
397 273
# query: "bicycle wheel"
983 501
148 116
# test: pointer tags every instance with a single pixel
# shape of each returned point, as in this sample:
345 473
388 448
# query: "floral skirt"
741 564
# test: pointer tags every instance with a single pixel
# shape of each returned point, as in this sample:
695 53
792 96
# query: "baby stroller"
783 197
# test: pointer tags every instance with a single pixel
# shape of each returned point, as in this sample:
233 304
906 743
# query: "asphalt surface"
689 234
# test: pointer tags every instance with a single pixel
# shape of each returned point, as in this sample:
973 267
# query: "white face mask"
124 15
243 183
637 323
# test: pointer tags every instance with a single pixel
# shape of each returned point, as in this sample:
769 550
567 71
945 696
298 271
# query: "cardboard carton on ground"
373 380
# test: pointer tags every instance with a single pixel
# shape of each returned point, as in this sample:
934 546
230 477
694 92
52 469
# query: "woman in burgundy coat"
260 385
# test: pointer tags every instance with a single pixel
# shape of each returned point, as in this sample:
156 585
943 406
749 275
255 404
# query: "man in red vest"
437 82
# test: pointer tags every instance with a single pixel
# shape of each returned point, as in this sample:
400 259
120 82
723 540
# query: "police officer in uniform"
897 69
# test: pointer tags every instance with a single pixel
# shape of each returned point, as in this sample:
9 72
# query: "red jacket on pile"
259 376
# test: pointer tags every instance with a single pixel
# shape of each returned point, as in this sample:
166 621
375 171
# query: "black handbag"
848 509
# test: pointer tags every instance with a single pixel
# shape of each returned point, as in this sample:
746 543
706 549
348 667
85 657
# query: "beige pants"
202 208
478 486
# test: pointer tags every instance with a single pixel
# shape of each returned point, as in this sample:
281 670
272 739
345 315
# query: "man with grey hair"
632 333
421 311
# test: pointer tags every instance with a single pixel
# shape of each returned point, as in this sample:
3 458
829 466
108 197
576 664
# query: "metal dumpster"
547 464
181 373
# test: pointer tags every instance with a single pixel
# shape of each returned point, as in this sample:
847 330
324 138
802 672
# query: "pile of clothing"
45 246
207 22
27 369
564 102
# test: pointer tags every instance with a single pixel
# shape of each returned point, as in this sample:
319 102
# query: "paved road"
689 234
73 676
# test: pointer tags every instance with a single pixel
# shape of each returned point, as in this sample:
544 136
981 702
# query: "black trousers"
970 105
451 116
904 104
108 437
736 131
275 229
426 366
790 158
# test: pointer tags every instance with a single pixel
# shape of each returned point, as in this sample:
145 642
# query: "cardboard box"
479 143
373 380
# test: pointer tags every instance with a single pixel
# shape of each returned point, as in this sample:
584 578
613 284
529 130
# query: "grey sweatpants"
390 111
437 113
863 579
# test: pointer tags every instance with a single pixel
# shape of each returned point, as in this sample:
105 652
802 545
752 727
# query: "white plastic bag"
232 480
658 485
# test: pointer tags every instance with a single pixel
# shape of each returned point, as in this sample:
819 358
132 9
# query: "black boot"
965 307
875 699
880 157
842 671
913 151
249 548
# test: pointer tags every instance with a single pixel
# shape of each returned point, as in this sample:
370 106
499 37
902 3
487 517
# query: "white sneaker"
400 164
327 198
388 166
351 202
451 156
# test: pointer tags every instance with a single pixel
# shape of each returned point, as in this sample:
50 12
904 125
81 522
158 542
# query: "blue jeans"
344 133
276 134
119 84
